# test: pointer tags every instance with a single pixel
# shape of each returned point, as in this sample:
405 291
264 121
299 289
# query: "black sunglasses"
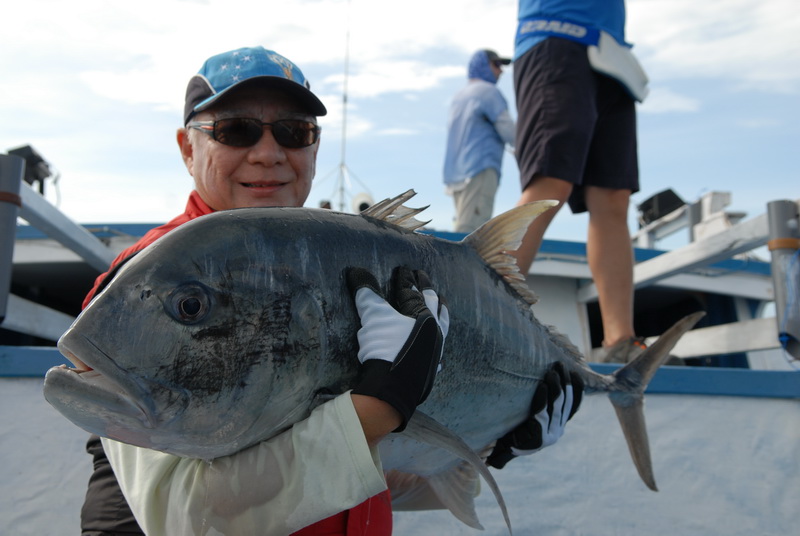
245 132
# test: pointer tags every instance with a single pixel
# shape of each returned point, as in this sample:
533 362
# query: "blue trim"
29 361
33 361
718 381
578 250
553 247
444 235
100 230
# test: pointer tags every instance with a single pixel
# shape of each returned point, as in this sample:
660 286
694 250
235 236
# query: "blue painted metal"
29 361
577 250
564 248
26 361
719 381
33 361
100 230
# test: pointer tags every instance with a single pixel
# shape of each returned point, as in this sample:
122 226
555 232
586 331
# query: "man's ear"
187 150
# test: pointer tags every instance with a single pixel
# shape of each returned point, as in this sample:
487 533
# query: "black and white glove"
400 344
555 401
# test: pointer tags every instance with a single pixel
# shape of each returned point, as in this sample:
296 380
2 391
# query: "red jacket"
195 208
373 517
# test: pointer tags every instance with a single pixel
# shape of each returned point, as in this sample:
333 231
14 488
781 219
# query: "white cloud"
94 85
397 132
760 123
752 43
663 100
120 50
396 77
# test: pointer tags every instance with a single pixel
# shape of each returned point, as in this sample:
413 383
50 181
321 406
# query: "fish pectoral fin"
455 490
502 234
411 492
427 430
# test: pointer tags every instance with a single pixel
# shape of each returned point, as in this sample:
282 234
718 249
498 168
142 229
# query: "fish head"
198 352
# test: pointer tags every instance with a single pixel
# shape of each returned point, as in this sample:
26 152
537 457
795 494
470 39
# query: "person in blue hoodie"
478 128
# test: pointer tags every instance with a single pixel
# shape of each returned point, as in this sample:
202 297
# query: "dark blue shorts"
573 123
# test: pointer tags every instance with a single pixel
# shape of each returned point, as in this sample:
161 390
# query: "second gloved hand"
400 343
555 401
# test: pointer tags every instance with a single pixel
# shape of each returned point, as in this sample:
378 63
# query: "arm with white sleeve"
264 486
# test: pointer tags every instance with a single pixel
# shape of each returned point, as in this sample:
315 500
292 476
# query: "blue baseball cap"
222 73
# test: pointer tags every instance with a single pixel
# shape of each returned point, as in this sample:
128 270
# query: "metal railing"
778 229
18 199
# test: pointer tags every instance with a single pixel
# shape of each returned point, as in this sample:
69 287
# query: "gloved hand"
555 401
400 346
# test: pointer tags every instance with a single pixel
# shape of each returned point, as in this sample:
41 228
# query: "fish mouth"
96 381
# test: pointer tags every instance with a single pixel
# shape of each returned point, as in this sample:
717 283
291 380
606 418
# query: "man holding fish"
323 475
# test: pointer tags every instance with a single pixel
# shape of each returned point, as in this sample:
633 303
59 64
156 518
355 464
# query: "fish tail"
627 394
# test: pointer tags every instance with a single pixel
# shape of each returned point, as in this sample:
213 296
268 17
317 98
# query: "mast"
343 183
343 171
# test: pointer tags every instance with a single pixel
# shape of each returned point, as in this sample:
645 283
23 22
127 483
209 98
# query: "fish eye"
190 307
189 303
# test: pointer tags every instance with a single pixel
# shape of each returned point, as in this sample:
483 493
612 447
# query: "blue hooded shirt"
473 142
479 68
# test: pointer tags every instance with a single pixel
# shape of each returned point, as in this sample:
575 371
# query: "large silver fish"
234 326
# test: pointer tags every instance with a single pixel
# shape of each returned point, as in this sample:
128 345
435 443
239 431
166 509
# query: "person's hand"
555 401
400 344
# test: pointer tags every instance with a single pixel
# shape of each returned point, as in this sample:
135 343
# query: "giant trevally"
234 326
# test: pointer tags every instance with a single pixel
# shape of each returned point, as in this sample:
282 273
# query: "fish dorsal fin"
393 211
497 237
427 430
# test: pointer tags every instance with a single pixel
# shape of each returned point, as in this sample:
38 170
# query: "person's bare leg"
539 189
610 255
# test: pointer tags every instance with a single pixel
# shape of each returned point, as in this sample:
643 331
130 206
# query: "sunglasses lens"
244 132
238 132
295 134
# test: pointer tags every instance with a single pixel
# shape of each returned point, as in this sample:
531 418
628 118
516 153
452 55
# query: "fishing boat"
724 415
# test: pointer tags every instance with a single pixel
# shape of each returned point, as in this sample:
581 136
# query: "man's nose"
267 149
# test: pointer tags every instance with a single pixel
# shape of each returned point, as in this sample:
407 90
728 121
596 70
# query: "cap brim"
305 97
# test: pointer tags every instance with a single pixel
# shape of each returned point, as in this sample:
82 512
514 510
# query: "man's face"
264 175
497 69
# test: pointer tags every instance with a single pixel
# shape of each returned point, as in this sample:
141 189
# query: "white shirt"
320 467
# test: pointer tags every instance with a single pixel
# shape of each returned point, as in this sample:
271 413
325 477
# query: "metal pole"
695 212
12 169
784 245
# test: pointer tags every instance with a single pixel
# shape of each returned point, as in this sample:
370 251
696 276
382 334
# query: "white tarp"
724 465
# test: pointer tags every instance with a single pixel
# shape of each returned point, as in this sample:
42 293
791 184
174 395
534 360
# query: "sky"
97 86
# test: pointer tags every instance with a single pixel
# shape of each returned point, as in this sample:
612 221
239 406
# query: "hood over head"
480 65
